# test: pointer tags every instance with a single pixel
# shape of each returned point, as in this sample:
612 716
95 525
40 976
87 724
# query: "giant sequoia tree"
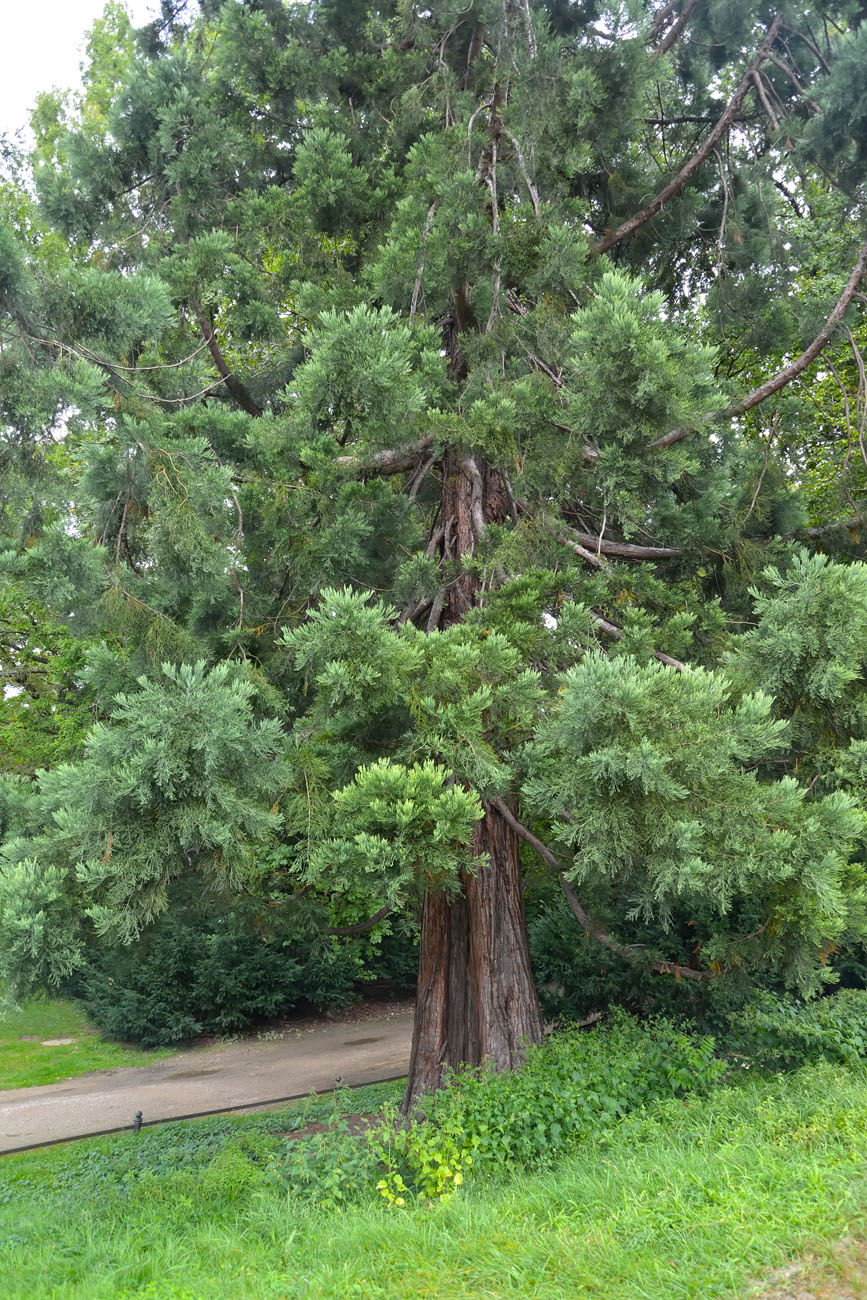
452 371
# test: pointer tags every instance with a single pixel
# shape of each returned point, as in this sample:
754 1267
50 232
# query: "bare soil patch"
839 1274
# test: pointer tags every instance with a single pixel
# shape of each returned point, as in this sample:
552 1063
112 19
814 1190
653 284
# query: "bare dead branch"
435 542
477 514
522 165
595 561
616 633
419 477
390 461
625 550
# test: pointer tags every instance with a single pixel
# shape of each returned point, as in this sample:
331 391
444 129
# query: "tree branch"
416 289
788 373
616 634
476 492
595 561
238 391
625 550
522 165
390 461
674 30
661 18
839 526
677 183
621 949
345 931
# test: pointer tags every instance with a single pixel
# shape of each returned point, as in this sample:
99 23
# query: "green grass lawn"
23 1062
702 1198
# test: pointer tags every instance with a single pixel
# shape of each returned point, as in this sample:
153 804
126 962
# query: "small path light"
136 1123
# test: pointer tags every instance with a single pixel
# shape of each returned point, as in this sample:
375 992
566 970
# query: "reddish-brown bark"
476 998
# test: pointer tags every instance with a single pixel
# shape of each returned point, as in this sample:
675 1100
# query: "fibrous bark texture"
476 998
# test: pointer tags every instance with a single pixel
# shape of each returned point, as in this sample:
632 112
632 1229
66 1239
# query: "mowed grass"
699 1198
24 1063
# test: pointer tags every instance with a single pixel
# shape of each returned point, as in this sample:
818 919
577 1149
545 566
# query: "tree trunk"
476 998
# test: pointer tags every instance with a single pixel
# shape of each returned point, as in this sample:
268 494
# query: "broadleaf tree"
455 373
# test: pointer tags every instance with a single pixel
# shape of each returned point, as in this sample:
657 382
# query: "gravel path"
294 1058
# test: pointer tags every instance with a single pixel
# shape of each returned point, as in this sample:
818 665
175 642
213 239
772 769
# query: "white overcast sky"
42 45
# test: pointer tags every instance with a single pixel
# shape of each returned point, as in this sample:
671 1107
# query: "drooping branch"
346 931
691 166
788 373
621 949
237 389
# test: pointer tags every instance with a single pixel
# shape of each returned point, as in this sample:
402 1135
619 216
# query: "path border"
199 1114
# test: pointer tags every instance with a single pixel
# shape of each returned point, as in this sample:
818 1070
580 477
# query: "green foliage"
482 1123
332 1169
303 303
574 1086
691 828
638 376
180 780
368 374
193 973
45 715
809 650
408 829
785 1033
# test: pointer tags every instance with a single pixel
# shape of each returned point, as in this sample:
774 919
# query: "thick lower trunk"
476 998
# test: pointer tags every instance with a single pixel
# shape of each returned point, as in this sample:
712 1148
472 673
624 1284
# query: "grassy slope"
23 1064
690 1200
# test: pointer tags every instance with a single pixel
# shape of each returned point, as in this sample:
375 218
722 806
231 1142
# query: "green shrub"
570 1088
785 1032
575 976
390 958
332 1169
191 974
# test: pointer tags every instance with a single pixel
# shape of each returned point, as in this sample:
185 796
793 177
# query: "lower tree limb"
677 969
